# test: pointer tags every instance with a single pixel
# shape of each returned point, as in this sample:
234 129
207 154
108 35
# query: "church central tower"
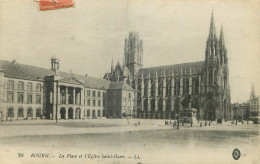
133 53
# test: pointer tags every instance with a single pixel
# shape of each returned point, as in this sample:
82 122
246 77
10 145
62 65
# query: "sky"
86 38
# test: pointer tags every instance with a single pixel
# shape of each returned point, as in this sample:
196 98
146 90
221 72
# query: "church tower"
216 93
133 53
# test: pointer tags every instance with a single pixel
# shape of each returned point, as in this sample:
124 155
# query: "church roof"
120 85
28 72
176 69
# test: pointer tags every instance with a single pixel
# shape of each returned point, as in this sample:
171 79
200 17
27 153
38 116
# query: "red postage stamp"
55 4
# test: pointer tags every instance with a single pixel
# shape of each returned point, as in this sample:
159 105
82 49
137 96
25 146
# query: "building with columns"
29 92
205 84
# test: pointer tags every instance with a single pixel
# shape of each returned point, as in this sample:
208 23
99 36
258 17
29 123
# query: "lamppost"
57 86
236 113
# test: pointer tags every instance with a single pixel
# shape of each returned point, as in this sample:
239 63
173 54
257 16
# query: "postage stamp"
55 4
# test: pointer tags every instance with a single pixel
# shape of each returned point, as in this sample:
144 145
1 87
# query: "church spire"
252 92
112 66
221 37
212 30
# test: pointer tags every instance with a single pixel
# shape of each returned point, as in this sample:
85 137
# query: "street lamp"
57 86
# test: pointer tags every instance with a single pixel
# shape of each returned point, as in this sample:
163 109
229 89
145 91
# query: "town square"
129 81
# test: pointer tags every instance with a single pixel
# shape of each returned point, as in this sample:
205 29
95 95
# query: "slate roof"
176 69
28 72
120 85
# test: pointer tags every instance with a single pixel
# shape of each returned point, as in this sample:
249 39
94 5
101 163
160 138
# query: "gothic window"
187 86
94 93
152 89
210 76
94 102
216 77
225 81
98 93
10 84
99 103
29 87
10 97
145 89
20 112
176 86
20 86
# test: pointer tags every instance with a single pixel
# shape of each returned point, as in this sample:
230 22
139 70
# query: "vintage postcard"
129 82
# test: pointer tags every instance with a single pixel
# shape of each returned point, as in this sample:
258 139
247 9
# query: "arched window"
38 112
29 112
88 113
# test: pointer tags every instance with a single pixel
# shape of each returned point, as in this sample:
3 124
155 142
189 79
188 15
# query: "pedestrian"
206 123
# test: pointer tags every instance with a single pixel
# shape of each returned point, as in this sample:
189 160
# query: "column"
82 96
15 113
82 114
164 97
149 97
156 94
54 101
66 113
59 95
25 113
142 94
164 93
181 86
74 113
199 84
67 95
73 97
172 93
190 85
34 112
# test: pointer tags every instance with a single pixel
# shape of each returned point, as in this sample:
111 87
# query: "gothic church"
157 89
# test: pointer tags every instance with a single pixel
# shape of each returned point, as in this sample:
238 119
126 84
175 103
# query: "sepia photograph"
129 82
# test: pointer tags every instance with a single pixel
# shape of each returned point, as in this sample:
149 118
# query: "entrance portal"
209 111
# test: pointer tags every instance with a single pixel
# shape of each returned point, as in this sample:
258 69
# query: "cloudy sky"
88 36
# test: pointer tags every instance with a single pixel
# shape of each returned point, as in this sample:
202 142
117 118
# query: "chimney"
14 61
86 75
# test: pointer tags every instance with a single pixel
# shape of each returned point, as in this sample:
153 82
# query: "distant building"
254 103
205 82
121 98
28 92
240 110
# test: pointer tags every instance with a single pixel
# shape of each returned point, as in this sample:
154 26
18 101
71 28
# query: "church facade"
159 90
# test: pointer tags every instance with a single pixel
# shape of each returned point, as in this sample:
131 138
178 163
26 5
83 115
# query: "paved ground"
152 141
